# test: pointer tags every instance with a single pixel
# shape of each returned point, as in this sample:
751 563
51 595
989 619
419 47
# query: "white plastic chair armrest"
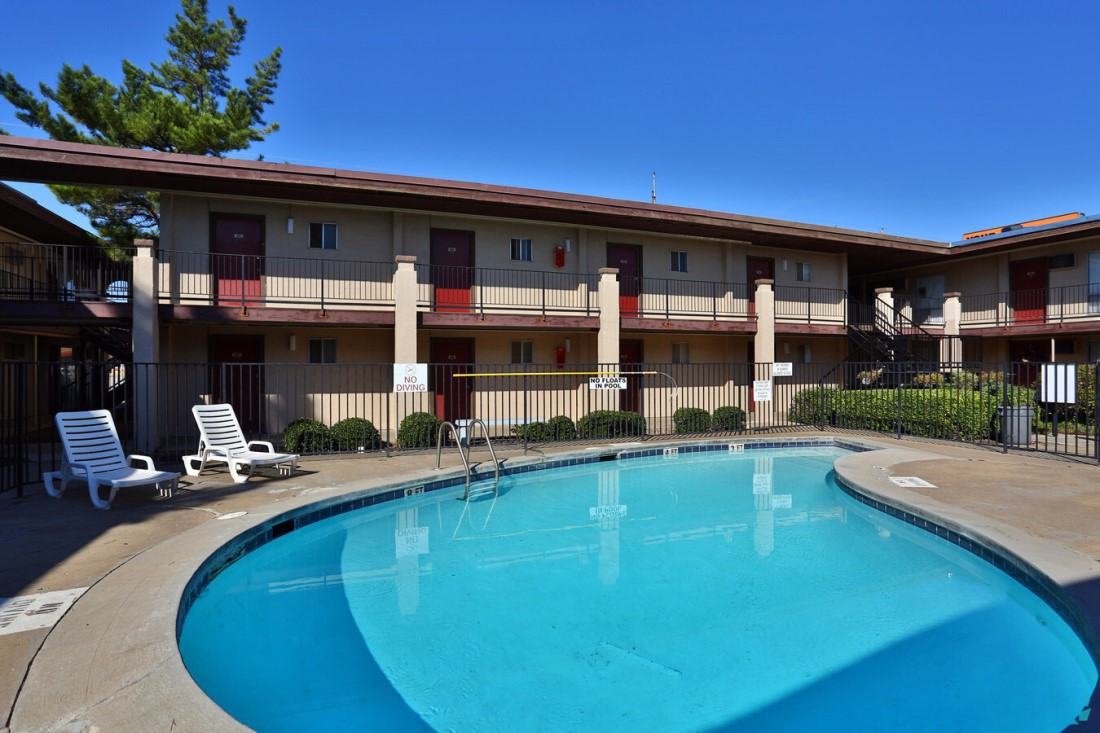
141 459
263 443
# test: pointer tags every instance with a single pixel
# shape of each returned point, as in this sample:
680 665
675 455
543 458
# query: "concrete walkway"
47 544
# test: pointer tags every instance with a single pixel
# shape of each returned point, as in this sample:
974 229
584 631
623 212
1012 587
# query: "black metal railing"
810 305
64 273
652 297
921 310
448 289
1032 307
208 278
353 408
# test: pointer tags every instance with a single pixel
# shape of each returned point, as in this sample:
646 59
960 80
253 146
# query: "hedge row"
950 412
698 420
305 435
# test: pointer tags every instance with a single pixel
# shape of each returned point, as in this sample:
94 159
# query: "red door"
758 268
631 360
452 269
1029 290
237 376
237 248
452 394
628 258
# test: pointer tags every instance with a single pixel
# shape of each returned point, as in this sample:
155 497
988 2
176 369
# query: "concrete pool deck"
111 662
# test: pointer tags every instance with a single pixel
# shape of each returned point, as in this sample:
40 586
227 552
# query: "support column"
404 315
764 343
951 345
607 343
884 303
145 335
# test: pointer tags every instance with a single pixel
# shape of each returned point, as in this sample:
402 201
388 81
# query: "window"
802 272
523 352
521 250
679 353
679 261
322 235
322 351
1094 351
805 354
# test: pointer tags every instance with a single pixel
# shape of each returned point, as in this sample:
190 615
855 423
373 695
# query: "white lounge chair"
93 453
221 440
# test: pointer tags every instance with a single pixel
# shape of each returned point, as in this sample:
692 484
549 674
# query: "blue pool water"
705 592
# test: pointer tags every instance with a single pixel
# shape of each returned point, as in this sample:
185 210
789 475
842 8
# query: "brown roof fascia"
23 215
48 160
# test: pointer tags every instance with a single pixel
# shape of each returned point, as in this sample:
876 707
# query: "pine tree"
186 104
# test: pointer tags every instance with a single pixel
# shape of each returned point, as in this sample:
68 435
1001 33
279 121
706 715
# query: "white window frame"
322 342
681 353
681 260
524 346
517 245
324 225
803 272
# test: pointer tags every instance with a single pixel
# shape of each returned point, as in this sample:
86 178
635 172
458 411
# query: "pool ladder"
465 454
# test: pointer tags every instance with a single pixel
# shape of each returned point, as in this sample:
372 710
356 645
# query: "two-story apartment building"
262 263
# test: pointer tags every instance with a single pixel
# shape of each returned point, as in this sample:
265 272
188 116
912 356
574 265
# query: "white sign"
410 377
782 369
1059 383
762 390
607 382
410 541
782 501
607 511
40 611
911 482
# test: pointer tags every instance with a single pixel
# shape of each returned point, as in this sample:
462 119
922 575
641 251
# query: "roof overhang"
56 162
28 219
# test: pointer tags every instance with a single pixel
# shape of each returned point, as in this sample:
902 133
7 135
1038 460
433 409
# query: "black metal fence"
64 272
353 408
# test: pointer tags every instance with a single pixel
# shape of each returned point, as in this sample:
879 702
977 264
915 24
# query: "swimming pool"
708 591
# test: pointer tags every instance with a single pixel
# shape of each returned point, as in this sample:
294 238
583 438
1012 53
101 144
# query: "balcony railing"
1032 307
650 297
64 272
800 304
447 289
207 278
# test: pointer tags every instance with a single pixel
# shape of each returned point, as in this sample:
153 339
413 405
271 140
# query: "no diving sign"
410 377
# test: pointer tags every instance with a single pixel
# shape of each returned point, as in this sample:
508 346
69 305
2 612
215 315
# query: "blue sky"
923 119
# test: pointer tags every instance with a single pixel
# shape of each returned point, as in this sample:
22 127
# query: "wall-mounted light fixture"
290 225
785 264
568 342
292 342
568 245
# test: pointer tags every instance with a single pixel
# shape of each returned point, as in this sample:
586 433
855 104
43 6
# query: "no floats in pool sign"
410 377
606 382
762 390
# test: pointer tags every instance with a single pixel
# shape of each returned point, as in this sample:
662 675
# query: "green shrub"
691 420
561 427
306 435
611 424
729 418
813 406
534 432
418 430
355 433
965 380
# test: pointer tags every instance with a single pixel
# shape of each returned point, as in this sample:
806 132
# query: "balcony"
249 281
810 309
1067 307
64 273
481 290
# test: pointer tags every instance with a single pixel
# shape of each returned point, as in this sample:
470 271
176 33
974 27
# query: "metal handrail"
465 454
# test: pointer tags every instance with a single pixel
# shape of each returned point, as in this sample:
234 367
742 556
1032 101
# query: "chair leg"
93 493
189 465
239 477
47 481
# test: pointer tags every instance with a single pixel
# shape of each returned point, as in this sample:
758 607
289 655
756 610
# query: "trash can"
1016 425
